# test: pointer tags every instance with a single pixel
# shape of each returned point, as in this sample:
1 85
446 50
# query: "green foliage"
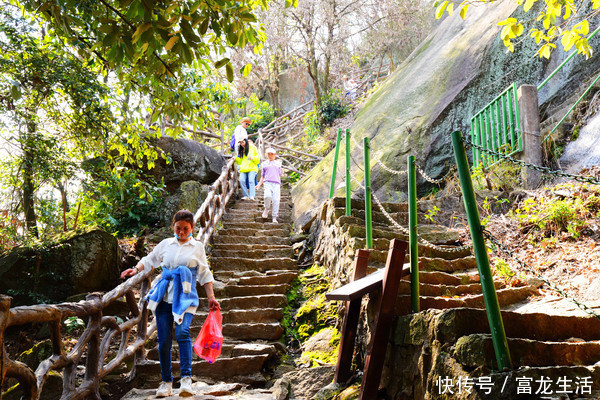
430 214
316 312
318 358
503 176
124 202
152 46
332 107
549 216
503 269
262 114
73 324
312 125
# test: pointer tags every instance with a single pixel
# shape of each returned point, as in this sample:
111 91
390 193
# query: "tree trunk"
28 188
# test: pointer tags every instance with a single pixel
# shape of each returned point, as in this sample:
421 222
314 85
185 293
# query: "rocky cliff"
455 72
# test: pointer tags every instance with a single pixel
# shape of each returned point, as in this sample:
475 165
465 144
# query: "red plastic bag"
210 339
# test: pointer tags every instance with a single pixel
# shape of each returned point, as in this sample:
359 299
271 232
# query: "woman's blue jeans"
249 177
164 328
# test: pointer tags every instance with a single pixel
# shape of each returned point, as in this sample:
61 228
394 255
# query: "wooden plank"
350 324
383 321
356 289
359 288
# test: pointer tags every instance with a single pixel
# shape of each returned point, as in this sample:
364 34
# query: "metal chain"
585 308
421 240
580 178
430 179
388 169
360 146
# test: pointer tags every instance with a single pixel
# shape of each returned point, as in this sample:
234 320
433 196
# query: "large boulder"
454 73
191 161
189 195
82 261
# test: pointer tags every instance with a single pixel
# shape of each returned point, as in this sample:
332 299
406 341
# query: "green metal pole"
572 107
348 182
412 238
541 85
481 256
368 217
335 161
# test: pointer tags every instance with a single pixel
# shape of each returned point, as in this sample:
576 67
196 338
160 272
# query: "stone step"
218 239
506 297
273 279
439 264
258 225
444 278
248 204
382 245
284 220
248 290
230 348
269 315
248 302
537 326
259 278
446 290
478 350
253 331
280 232
247 331
265 264
248 246
222 368
224 251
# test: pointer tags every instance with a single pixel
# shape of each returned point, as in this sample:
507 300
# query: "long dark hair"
243 150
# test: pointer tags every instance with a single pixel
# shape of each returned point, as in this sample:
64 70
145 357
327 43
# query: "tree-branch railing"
213 207
94 344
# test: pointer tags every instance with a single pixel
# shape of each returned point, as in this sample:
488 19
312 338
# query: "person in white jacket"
240 133
183 260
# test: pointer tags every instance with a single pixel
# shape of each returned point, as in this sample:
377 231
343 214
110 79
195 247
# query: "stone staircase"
553 356
251 260
446 279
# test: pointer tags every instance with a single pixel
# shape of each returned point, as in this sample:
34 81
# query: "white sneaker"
186 387
275 220
252 198
164 389
245 198
265 213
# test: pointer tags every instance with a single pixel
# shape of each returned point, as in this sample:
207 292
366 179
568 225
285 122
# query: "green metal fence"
496 127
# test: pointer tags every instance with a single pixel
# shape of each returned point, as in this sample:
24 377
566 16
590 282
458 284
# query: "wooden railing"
101 330
287 129
94 342
213 207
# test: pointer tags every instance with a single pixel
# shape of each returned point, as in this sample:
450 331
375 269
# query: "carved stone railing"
213 207
94 344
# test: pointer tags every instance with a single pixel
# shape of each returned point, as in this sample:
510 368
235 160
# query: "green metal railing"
368 216
348 191
496 127
490 297
413 238
335 162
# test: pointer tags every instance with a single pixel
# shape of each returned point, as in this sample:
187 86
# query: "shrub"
332 107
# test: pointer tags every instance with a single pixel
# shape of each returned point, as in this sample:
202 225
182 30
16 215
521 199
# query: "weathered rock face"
189 195
454 73
81 261
191 161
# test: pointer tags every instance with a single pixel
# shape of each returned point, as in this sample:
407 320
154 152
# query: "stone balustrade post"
530 133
